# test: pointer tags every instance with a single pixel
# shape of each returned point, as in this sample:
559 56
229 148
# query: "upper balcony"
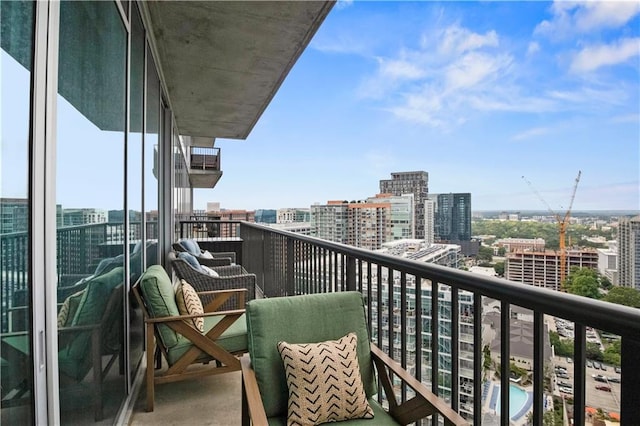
204 167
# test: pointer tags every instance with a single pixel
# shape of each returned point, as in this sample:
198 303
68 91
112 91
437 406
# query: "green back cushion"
91 309
302 319
160 298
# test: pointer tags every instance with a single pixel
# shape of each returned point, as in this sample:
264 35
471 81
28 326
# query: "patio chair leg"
158 358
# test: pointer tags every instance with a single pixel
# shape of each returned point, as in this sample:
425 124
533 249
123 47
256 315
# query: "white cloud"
581 17
400 69
527 134
474 69
457 40
593 57
628 118
533 48
343 4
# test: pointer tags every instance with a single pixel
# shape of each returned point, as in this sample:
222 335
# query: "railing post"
290 276
630 386
579 397
538 367
351 273
478 358
505 360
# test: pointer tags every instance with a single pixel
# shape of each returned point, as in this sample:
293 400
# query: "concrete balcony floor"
212 401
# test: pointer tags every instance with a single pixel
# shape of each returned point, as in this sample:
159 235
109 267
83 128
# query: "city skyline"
476 94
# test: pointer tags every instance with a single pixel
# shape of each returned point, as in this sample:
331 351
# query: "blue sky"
478 94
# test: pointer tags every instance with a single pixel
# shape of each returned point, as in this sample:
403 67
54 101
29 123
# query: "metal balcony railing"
79 249
289 264
204 158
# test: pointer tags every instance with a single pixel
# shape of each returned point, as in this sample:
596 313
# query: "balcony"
289 264
204 167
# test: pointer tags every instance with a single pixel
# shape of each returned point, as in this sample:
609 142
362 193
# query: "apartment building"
365 224
416 183
629 252
608 264
542 269
330 221
291 215
521 244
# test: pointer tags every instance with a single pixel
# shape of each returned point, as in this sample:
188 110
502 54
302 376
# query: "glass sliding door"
139 240
16 327
90 198
152 159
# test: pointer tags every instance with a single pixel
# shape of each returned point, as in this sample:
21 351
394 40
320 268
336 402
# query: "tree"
605 283
593 352
583 282
612 353
499 268
485 254
561 347
627 296
502 251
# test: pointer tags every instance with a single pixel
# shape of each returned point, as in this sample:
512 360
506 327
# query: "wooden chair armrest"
184 317
434 403
251 400
220 292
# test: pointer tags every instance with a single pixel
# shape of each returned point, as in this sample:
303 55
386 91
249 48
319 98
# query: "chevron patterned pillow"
324 382
189 303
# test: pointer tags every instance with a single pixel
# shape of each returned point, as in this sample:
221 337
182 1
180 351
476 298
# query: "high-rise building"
429 221
608 264
292 215
416 183
402 218
73 217
366 224
629 252
542 269
452 218
265 216
14 215
330 221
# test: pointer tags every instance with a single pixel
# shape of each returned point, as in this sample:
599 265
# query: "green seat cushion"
302 319
234 339
380 418
91 309
159 295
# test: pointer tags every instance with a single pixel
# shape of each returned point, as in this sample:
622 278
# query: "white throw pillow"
209 271
206 255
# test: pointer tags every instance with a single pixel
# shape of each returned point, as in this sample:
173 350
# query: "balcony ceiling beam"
222 62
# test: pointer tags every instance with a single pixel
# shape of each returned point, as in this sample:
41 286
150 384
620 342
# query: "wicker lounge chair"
219 258
229 277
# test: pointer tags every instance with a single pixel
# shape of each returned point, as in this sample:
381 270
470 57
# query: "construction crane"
563 221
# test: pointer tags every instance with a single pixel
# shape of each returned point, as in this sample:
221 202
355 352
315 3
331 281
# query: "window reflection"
134 183
90 198
17 20
151 160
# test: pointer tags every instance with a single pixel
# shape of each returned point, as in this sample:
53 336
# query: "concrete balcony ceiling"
224 61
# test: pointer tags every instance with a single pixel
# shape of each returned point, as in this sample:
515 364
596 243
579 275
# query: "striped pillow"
189 303
324 382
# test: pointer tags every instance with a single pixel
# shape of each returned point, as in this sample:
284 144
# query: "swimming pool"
519 402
